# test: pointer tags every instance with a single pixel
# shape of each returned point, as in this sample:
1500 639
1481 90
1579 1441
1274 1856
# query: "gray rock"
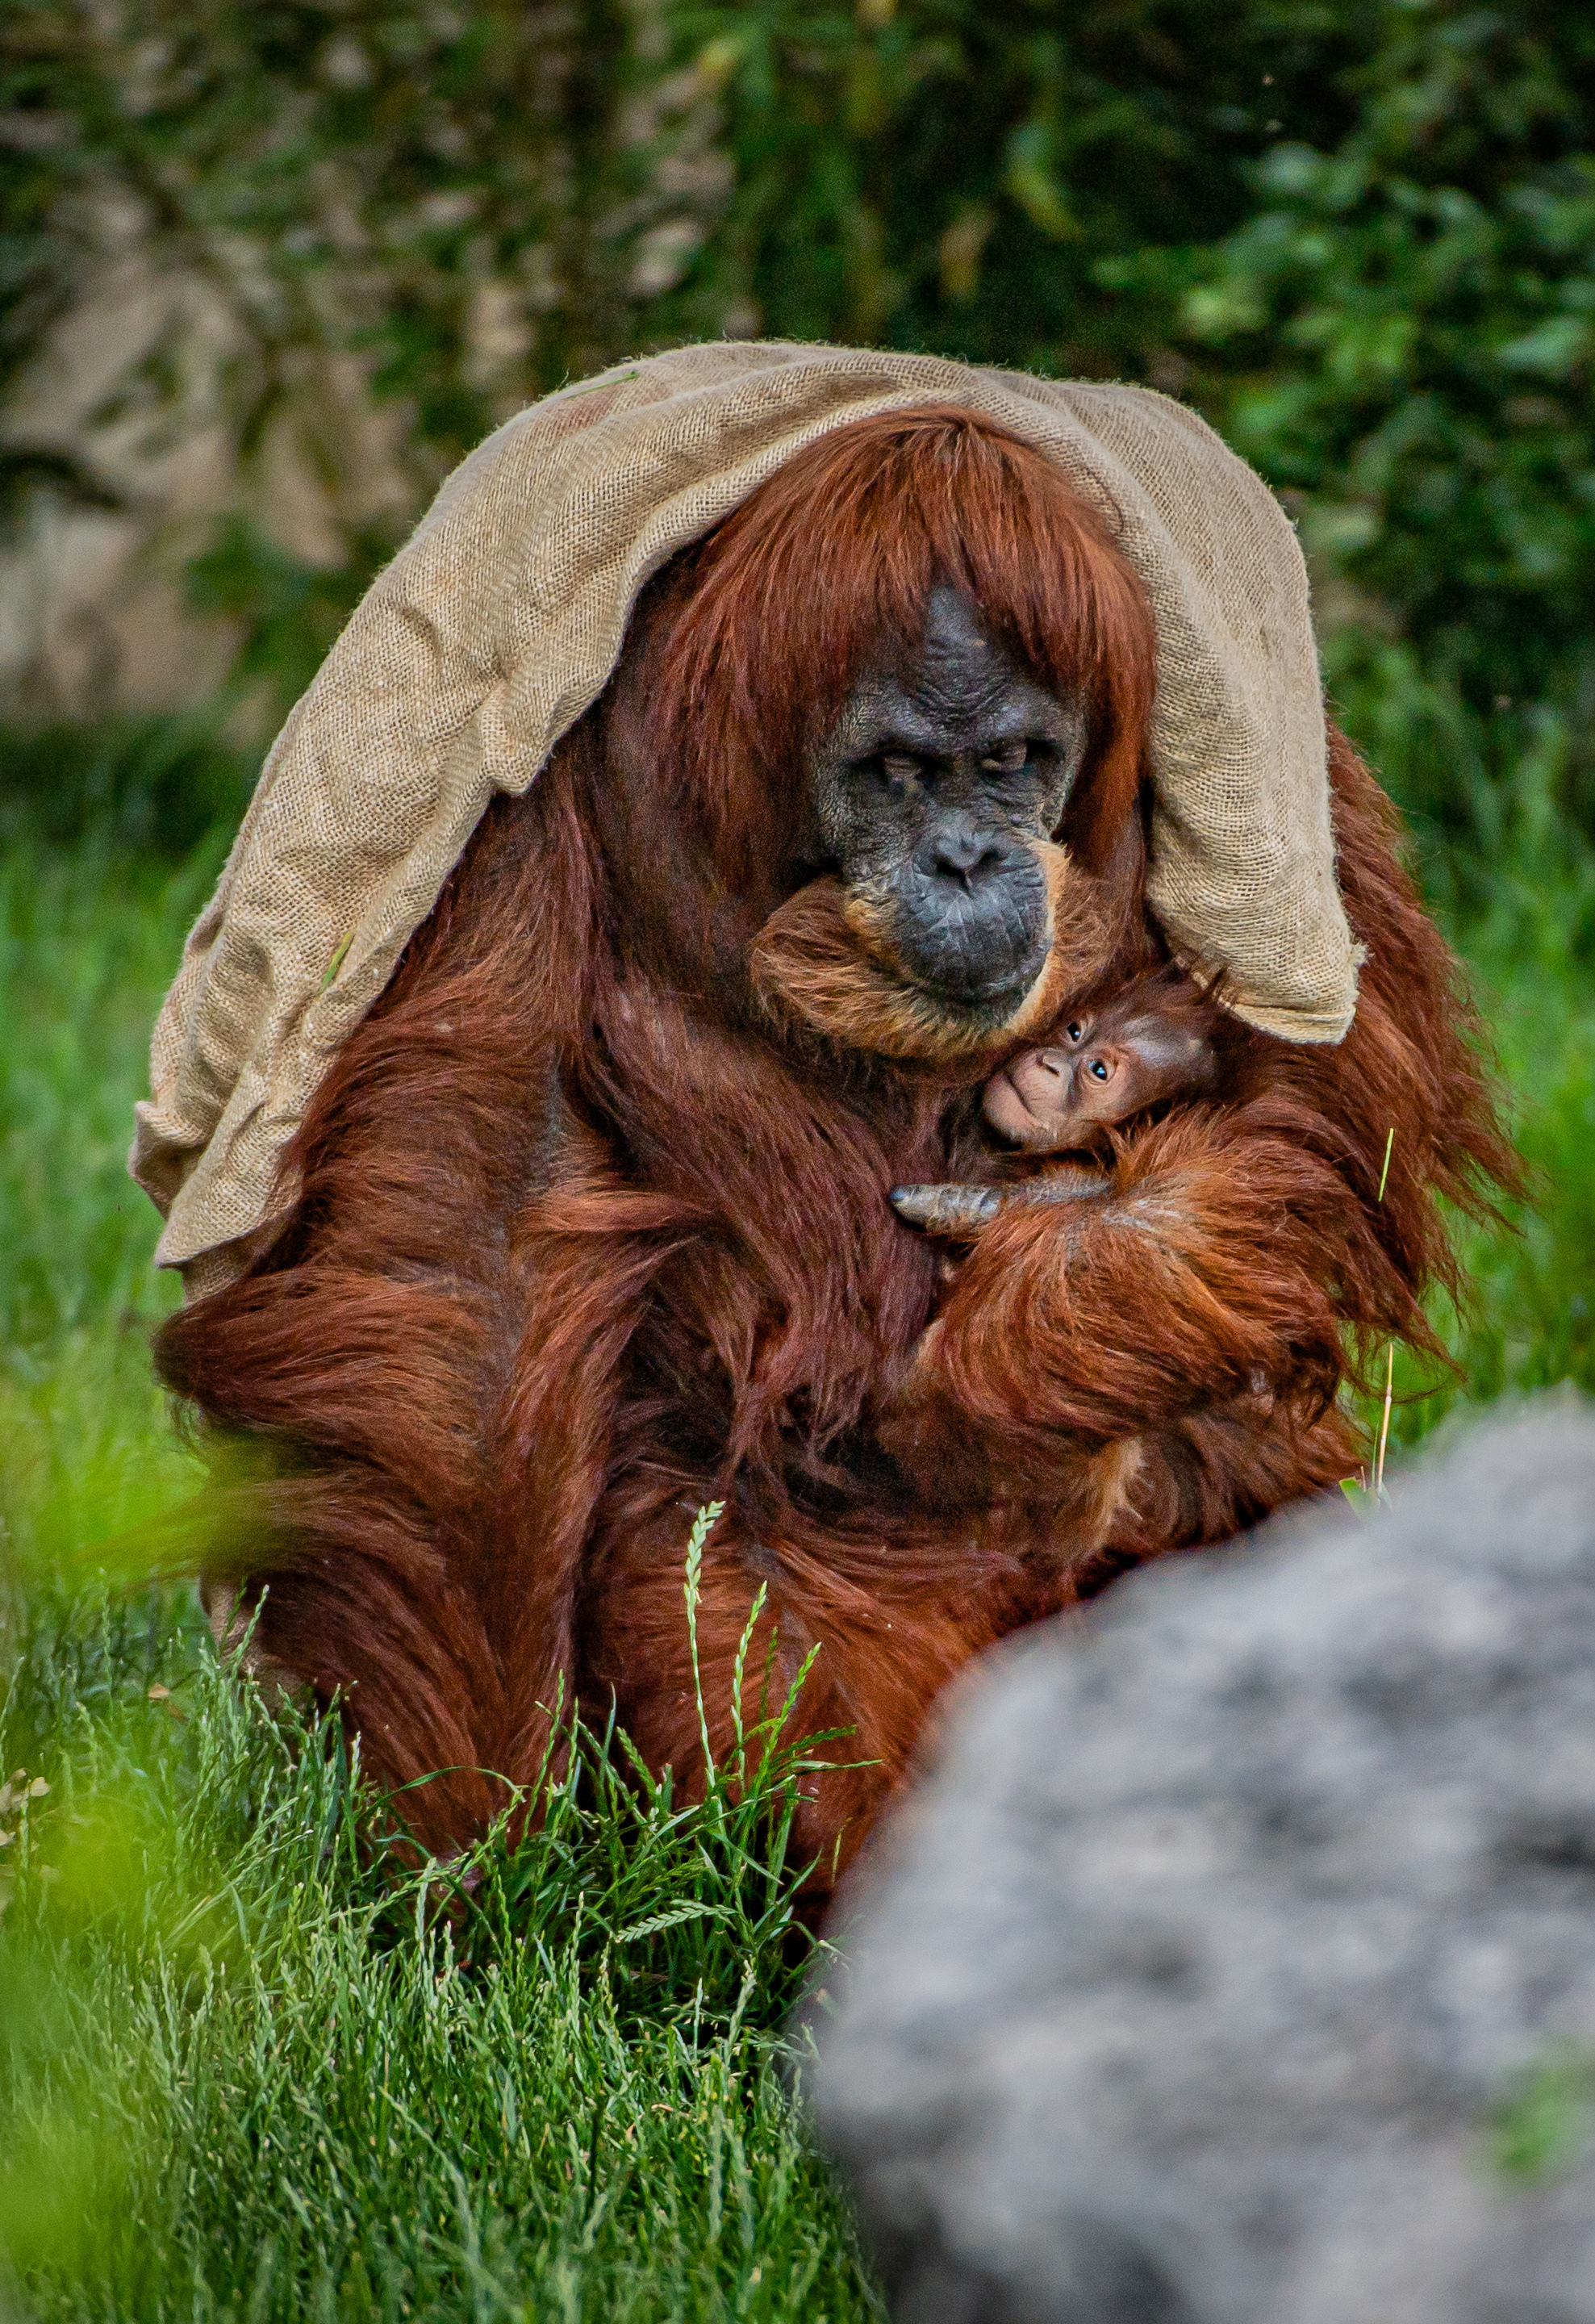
1209 1979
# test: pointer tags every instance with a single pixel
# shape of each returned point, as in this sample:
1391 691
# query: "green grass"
1530 1321
253 2068
250 2065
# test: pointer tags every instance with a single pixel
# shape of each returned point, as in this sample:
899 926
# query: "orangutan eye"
1008 759
897 770
1098 1070
1075 1032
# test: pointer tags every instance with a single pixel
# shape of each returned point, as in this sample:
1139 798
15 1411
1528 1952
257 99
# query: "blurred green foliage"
1412 311
156 783
463 196
1543 2128
959 176
481 199
344 238
1360 234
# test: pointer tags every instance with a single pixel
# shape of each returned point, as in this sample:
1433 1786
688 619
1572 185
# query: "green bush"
953 175
1413 311
374 229
1357 235
161 784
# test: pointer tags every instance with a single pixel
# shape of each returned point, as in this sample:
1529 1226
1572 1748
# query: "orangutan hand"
959 1211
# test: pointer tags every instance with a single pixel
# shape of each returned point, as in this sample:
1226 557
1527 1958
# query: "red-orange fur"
585 1235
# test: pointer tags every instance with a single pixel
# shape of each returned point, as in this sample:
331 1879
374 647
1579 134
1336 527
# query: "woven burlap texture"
500 621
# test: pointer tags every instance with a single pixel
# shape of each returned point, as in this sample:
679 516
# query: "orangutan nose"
958 849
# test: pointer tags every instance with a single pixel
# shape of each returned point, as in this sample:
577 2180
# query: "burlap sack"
500 621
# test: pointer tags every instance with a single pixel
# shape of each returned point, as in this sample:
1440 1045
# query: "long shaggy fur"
591 1225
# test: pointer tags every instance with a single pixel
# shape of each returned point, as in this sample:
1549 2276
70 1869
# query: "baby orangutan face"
1106 1064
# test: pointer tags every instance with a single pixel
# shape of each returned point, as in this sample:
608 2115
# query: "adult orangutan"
588 1220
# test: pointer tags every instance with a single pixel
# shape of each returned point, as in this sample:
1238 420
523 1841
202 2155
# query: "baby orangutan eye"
1100 1070
1075 1032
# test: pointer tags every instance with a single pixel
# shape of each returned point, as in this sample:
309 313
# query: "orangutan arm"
1209 1270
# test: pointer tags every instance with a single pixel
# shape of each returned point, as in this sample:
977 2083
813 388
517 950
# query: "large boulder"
1238 1964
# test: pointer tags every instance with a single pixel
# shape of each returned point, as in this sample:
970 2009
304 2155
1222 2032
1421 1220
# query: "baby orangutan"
1160 1038
1157 1039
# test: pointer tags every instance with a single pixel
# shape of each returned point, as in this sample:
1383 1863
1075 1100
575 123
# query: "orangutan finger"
962 1211
946 1210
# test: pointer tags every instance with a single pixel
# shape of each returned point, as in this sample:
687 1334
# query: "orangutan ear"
826 962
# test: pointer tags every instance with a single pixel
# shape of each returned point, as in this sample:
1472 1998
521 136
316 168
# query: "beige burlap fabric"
500 621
